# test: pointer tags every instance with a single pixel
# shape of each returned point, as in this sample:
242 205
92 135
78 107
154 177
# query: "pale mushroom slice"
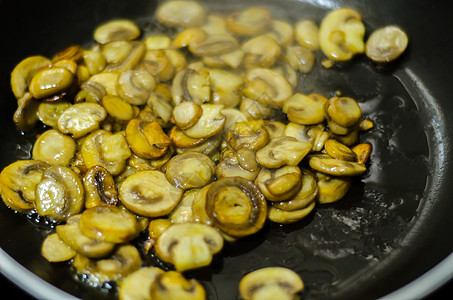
255 110
282 32
107 80
105 149
288 217
305 110
147 139
207 146
81 119
341 34
189 246
94 60
251 135
190 169
55 250
191 85
282 151
306 194
158 41
331 188
386 44
250 21
131 61
116 51
267 87
123 261
116 30
300 58
156 227
287 71
54 148
261 51
183 213
338 150
49 112
183 14
186 114
316 135
135 86
117 108
137 285
159 64
307 34
270 283
210 123
90 91
343 111
149 194
232 116
279 184
50 81
214 45
24 71
236 206
225 87
18 182
240 163
26 115
59 194
335 167
72 236
178 138
100 188
275 128
172 285
109 224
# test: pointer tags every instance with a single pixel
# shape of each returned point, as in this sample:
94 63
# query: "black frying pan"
393 226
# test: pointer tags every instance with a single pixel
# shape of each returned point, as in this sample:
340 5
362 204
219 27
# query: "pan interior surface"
362 247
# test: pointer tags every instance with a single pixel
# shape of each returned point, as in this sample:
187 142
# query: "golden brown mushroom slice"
49 112
282 151
232 116
305 110
207 146
116 30
159 64
147 139
135 85
186 114
339 151
117 108
225 87
178 138
341 34
343 111
81 119
106 149
210 123
270 283
240 163
107 80
335 167
100 188
191 85
116 51
331 188
251 135
190 169
109 224
24 71
236 206
55 250
18 182
307 34
137 285
386 44
59 194
279 184
148 193
172 285
255 110
363 152
183 14
250 21
275 128
54 148
123 261
72 236
50 81
26 115
316 135
189 246
261 51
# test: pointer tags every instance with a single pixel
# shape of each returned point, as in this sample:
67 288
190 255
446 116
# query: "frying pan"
390 236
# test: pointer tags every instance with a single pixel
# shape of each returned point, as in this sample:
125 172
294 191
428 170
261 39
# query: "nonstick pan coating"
393 226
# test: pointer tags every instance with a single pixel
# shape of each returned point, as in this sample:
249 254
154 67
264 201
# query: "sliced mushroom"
267 87
288 217
232 59
178 60
214 45
94 60
225 87
183 213
107 150
172 285
241 163
251 135
386 44
337 150
49 112
305 110
236 206
189 246
123 261
158 42
59 194
116 30
90 91
26 115
23 73
188 36
117 108
148 193
117 51
72 236
186 114
341 34
141 164
270 283
147 139
190 169
255 110
156 227
178 138
18 182
315 134
366 125
137 285
210 123
131 61
306 194
307 34
191 85
109 224
275 128
135 86
73 53
348 136
249 21
279 184
300 58
335 167
207 146
50 81
107 80
363 152
159 65
281 32
331 188
55 250
81 119
261 51
282 151
100 188
54 148
343 111
184 14
232 116
287 71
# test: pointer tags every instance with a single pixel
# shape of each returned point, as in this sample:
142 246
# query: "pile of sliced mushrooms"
195 139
